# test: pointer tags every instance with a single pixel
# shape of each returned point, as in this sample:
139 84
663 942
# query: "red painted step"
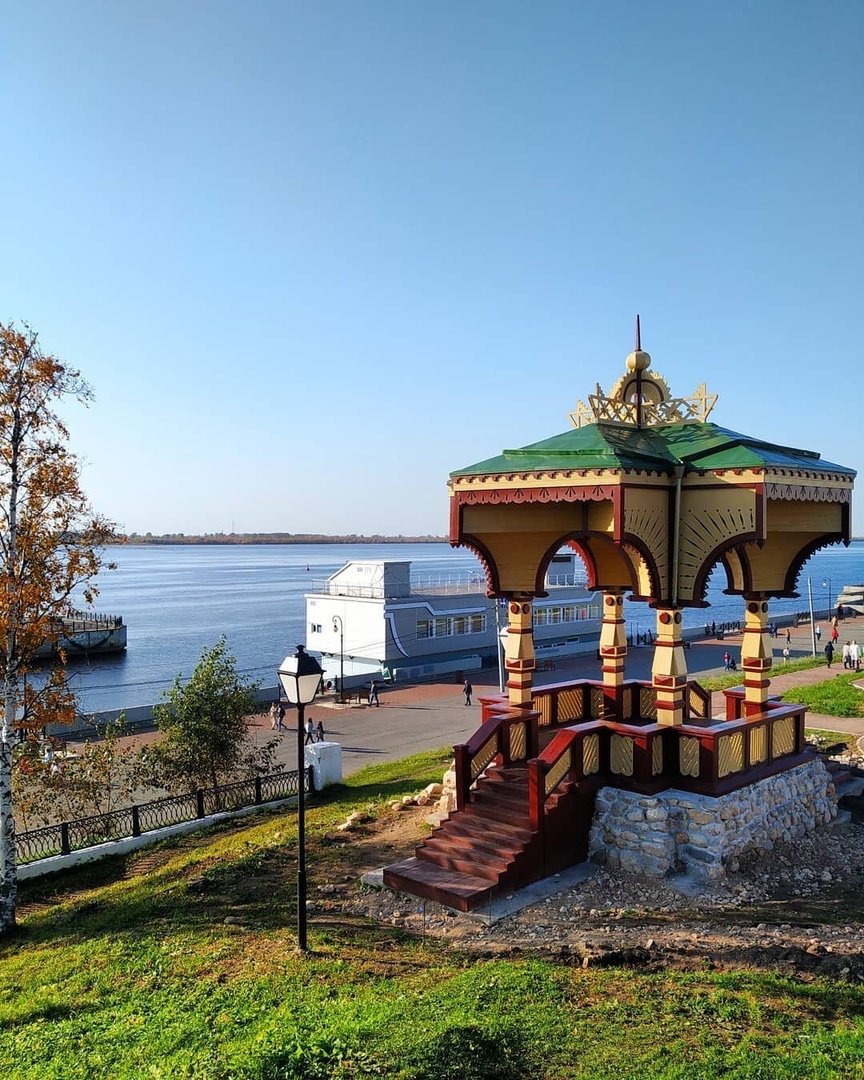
467 823
461 891
486 848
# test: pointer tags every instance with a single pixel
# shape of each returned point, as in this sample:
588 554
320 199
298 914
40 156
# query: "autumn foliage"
50 551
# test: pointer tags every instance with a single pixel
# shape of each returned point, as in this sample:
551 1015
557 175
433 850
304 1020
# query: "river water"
177 600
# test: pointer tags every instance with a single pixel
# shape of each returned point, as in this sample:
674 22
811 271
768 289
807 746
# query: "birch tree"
50 547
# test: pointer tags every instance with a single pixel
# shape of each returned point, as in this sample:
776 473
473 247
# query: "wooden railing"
508 736
650 757
595 749
561 704
574 754
738 750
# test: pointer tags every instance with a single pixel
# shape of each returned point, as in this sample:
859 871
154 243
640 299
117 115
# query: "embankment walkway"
430 715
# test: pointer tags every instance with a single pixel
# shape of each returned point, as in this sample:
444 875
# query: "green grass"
123 975
834 697
823 738
735 678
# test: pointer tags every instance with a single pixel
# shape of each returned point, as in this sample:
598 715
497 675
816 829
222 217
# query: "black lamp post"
300 677
337 618
827 582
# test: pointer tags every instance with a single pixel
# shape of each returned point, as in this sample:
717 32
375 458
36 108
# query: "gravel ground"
797 907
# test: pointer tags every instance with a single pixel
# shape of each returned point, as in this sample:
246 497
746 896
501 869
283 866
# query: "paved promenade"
429 715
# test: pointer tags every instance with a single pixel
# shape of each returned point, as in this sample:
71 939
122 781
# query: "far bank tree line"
276 538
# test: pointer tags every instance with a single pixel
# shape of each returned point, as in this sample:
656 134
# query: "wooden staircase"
484 849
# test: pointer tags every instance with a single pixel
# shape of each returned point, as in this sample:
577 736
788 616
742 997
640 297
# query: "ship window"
315 628
568 613
442 628
539 616
459 625
424 628
478 624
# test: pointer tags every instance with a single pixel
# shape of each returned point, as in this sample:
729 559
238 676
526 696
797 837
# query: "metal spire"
638 375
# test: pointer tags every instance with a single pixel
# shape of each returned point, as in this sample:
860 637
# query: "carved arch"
731 555
797 565
486 561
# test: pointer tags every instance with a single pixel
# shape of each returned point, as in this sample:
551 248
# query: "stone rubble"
618 917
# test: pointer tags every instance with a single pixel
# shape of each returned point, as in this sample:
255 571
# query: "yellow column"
756 656
519 651
613 643
669 670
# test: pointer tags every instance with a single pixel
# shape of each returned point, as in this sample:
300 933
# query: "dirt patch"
797 908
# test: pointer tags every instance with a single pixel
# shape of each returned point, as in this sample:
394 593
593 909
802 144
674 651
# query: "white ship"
374 619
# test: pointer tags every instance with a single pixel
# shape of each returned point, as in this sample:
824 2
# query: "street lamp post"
300 677
812 618
827 582
338 618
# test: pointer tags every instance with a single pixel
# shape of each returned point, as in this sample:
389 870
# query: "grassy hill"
180 962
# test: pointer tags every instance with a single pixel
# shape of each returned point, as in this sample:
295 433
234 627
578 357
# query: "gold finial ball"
638 361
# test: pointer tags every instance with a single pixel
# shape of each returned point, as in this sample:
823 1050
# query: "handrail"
781 739
549 769
697 690
509 734
591 699
742 723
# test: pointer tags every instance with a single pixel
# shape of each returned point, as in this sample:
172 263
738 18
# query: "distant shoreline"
286 538
276 538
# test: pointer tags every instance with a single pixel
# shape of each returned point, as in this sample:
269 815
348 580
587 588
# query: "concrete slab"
514 902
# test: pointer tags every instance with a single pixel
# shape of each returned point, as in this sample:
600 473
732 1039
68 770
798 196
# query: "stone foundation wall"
675 832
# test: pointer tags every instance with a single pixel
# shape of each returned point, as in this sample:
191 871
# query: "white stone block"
326 761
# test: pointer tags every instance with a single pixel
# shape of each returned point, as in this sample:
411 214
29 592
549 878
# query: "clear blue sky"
313 256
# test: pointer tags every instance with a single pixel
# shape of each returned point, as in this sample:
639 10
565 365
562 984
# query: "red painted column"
756 656
669 669
519 657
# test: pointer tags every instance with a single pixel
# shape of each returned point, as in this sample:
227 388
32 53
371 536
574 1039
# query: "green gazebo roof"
699 445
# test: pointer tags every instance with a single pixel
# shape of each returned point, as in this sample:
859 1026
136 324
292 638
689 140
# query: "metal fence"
76 621
136 820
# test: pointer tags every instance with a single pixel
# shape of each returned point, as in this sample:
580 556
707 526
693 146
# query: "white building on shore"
374 619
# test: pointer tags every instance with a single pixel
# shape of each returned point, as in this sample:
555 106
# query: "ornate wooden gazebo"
652 496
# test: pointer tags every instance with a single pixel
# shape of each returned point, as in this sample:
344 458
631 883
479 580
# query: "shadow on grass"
255 886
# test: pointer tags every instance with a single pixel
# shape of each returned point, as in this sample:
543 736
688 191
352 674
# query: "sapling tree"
50 548
205 737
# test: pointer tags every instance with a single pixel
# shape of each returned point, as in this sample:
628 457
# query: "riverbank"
426 716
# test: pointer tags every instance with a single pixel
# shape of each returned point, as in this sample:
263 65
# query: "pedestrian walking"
727 661
835 634
829 652
854 655
274 716
280 726
847 654
786 654
373 694
320 731
818 633
467 690
788 636
310 731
